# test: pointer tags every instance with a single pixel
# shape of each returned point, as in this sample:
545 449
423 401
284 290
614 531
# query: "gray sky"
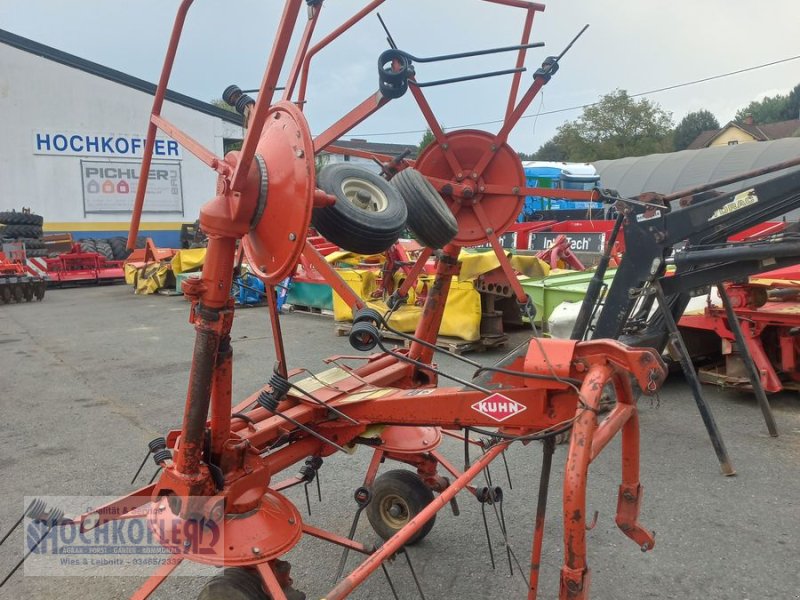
637 45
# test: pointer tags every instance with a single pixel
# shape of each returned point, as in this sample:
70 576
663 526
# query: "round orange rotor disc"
505 169
286 152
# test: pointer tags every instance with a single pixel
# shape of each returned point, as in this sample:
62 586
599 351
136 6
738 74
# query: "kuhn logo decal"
498 407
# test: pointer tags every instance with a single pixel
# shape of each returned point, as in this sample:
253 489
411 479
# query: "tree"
220 103
781 107
615 127
793 103
693 125
426 140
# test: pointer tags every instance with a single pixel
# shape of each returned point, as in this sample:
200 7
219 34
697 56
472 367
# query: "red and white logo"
498 407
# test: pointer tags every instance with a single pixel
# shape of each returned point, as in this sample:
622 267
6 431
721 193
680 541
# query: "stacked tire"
114 248
23 227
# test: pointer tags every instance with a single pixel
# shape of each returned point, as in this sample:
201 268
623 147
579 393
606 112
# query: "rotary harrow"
466 188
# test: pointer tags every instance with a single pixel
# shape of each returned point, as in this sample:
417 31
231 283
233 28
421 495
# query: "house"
741 133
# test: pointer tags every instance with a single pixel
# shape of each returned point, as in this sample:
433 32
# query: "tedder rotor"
465 189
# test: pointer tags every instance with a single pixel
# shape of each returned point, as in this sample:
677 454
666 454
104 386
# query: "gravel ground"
91 374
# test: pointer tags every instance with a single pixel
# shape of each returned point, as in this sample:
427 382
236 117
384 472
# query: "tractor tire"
19 218
5 292
16 291
36 253
119 247
39 288
397 497
27 291
104 248
234 584
22 231
429 218
368 216
87 245
32 244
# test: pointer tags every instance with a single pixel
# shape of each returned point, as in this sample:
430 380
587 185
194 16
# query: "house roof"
675 171
135 83
377 147
761 133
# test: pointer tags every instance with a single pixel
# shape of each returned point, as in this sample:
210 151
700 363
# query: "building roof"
761 133
377 147
135 83
668 173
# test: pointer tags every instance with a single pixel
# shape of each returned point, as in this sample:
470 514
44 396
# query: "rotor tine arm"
158 101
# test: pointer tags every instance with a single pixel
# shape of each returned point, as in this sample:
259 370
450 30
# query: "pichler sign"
110 187
60 143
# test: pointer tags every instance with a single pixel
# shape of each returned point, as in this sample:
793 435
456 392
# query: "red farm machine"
466 188
17 282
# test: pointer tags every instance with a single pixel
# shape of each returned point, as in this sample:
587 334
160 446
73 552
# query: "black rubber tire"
87 245
369 229
403 490
22 231
234 584
16 291
27 291
39 288
39 253
19 218
5 293
119 247
429 218
104 248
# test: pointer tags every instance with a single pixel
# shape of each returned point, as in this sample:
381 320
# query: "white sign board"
110 187
70 143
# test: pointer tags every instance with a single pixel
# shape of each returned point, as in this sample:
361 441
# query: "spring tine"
508 473
488 537
319 488
27 554
413 573
153 478
389 581
505 536
141 466
10 531
350 536
466 450
308 501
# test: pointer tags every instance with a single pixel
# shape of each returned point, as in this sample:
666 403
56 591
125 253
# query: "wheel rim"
364 195
394 511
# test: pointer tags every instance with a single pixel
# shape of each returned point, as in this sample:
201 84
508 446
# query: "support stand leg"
694 383
747 359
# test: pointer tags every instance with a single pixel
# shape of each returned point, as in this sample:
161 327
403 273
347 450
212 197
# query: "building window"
733 142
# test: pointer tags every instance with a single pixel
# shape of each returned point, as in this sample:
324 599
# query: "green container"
311 295
549 292
181 277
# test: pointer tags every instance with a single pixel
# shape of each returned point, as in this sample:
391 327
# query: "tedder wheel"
234 584
429 218
16 290
368 216
397 497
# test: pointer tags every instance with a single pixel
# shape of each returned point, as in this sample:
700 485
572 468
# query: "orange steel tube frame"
244 448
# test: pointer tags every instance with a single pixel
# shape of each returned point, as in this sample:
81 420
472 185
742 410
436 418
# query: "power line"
582 106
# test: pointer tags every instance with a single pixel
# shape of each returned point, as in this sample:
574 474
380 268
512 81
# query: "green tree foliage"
220 103
691 126
615 127
426 140
781 107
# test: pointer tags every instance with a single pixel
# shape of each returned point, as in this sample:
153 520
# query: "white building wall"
38 94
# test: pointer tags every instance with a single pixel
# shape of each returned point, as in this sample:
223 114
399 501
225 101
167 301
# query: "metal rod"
470 53
694 383
548 448
413 573
733 179
425 84
747 359
595 285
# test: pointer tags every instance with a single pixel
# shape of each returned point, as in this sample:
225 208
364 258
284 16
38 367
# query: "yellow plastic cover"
188 260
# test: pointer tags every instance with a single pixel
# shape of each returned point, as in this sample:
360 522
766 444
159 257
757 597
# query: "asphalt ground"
90 375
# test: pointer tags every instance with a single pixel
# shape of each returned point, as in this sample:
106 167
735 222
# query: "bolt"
291 520
474 175
263 268
460 176
489 231
645 546
256 550
580 367
292 237
515 190
186 543
424 442
482 188
277 115
493 148
299 153
573 586
445 146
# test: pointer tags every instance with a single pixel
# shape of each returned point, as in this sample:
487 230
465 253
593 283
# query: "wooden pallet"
454 345
309 310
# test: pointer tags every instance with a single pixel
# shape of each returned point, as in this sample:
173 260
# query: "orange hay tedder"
466 188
